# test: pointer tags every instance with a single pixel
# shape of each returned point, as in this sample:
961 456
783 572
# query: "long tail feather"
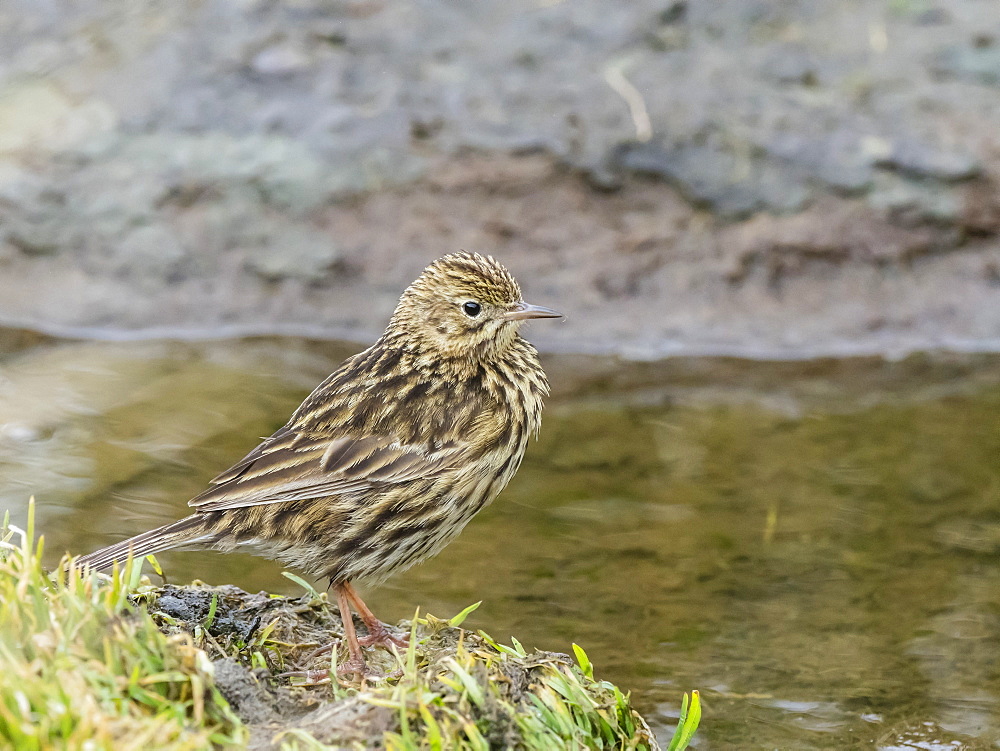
178 534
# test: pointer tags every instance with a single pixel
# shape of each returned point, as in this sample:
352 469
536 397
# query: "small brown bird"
391 456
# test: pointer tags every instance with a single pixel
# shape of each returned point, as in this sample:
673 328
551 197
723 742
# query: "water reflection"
811 544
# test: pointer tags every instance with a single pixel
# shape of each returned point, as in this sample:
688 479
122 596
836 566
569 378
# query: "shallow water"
813 545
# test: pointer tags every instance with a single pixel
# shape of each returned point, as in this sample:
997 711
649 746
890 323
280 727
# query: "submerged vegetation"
115 662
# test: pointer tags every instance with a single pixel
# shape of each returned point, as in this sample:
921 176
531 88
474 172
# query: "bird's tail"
186 531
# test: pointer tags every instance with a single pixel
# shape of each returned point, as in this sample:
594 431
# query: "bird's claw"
355 666
326 648
379 636
362 673
356 669
311 677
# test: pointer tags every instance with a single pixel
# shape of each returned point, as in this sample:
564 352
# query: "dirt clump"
451 683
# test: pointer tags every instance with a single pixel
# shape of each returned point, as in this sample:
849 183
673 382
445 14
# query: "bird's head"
463 305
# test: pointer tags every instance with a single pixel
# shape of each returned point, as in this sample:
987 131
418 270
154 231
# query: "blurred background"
769 466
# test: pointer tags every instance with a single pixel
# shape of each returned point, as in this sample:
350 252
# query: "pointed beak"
522 311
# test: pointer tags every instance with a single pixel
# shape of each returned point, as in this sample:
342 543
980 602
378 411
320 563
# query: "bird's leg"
378 633
356 662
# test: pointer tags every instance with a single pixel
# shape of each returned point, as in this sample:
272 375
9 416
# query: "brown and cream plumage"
390 457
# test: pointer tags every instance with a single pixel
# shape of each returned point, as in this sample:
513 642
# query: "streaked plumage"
389 458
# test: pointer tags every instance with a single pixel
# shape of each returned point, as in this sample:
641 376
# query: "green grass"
80 668
468 701
479 694
84 665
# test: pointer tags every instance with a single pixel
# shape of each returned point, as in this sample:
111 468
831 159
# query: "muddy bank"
778 180
452 684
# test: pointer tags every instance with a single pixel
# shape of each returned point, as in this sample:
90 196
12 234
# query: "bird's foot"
358 671
352 666
380 636
309 677
357 667
325 649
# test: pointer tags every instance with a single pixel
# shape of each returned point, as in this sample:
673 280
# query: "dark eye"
471 308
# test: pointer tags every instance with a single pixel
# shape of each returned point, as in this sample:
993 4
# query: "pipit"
390 457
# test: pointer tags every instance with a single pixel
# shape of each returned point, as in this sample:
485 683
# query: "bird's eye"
471 308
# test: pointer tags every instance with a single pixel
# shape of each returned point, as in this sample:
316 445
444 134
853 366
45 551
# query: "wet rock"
280 60
914 204
38 235
18 185
286 174
731 183
155 248
297 253
792 64
37 116
933 17
976 64
920 160
223 611
675 12
836 159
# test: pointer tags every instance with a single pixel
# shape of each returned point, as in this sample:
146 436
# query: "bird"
388 459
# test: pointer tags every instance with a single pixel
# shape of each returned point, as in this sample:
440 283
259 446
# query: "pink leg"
378 634
356 662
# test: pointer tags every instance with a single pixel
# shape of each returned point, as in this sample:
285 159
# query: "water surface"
813 545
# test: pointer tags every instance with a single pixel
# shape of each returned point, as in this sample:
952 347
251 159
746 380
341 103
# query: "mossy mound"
451 688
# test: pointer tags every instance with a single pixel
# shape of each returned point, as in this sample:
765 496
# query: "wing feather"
292 466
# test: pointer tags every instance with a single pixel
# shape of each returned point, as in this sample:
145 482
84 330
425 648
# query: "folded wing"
292 466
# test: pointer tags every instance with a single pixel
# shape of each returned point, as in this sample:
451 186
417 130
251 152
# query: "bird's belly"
369 538
408 552
421 531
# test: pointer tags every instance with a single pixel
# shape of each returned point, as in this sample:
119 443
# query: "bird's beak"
522 311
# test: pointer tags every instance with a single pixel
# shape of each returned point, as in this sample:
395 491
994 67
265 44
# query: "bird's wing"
292 466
